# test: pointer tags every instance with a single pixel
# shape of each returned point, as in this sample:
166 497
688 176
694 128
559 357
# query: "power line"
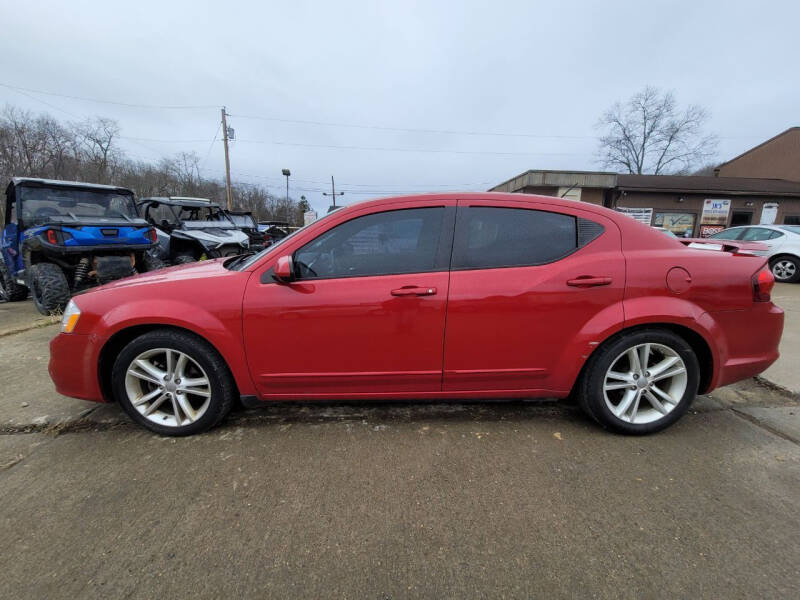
99 101
413 129
433 151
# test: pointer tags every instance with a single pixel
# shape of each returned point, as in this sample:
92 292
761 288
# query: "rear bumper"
73 366
752 339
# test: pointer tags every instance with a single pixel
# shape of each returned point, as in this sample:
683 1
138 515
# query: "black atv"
63 236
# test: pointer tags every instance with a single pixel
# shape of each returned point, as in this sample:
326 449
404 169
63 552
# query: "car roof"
38 182
180 201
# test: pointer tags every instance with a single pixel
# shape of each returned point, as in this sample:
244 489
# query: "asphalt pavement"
394 500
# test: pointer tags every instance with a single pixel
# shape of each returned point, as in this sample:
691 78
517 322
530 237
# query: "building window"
791 220
680 223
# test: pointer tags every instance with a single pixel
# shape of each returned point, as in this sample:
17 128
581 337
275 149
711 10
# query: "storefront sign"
709 230
679 223
715 212
769 212
643 215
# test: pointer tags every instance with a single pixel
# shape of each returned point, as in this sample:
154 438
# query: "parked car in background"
60 237
191 229
540 301
782 242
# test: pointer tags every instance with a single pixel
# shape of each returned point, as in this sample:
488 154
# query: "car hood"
197 270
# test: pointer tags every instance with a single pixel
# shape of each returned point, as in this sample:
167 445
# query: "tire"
209 401
10 290
153 263
184 259
49 288
785 269
617 409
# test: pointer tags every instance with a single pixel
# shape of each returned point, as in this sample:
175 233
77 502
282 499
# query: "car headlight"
70 317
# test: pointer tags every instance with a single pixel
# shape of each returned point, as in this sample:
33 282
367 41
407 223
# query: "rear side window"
493 237
387 243
757 234
728 234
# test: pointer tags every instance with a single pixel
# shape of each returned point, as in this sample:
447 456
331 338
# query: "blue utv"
61 237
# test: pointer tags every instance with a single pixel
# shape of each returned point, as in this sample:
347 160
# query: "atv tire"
184 259
49 288
10 290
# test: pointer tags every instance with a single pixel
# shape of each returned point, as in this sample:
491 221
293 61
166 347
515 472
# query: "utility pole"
227 160
333 193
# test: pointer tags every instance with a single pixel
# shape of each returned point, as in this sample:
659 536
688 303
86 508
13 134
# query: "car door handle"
588 281
414 290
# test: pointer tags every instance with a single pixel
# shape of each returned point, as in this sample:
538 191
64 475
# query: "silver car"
783 242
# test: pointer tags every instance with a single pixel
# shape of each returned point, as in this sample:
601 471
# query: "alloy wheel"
168 387
645 383
784 269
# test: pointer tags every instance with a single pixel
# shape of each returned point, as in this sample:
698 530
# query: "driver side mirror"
284 269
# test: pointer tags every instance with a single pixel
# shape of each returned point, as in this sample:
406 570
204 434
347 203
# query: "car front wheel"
641 382
173 383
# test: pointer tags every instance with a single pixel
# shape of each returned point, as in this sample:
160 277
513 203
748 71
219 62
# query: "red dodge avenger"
427 297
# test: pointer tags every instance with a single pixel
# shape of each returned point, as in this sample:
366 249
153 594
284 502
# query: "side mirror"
284 269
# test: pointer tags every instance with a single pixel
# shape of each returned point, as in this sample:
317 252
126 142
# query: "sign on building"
769 212
643 215
715 216
309 217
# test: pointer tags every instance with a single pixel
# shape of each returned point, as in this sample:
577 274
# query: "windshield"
38 205
243 220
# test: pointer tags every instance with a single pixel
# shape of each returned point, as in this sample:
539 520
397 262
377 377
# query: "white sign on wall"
715 211
769 212
643 215
309 217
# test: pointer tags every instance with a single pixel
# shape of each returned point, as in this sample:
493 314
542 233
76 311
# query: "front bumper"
73 366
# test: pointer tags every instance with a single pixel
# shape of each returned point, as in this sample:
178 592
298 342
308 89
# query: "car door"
364 316
528 283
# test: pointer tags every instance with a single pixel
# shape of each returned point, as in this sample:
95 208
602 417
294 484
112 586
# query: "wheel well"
112 348
783 255
700 347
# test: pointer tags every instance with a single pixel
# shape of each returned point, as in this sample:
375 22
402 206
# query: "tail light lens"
763 282
55 236
151 235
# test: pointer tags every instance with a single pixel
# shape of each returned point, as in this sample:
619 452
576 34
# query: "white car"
783 242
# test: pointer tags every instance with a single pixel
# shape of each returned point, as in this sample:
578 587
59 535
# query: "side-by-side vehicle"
431 297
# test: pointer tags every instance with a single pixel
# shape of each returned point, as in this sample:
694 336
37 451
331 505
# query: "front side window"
399 241
493 237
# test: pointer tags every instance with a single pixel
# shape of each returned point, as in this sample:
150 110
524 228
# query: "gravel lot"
357 500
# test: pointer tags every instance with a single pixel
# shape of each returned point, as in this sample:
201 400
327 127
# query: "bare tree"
649 134
95 142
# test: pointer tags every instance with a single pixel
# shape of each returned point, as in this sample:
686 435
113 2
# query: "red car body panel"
501 332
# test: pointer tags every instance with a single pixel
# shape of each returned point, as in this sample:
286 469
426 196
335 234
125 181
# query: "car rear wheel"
785 269
173 383
10 290
49 288
640 382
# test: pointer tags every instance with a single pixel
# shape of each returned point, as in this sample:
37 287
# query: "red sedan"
429 297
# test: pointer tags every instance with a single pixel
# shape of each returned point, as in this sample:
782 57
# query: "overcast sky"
547 69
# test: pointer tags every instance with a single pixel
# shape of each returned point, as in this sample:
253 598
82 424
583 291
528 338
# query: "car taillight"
151 235
51 236
763 282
